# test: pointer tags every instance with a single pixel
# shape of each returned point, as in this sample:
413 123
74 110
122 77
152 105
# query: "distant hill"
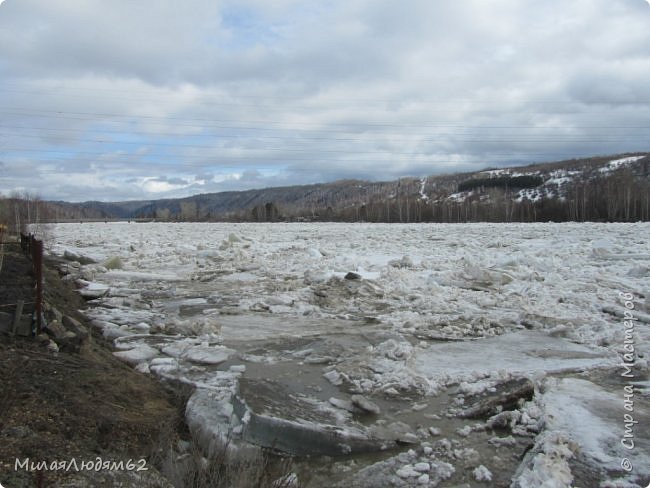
606 188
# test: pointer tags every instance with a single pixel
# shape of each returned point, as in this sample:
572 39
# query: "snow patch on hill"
619 163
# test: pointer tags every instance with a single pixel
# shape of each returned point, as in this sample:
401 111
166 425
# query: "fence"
33 249
3 232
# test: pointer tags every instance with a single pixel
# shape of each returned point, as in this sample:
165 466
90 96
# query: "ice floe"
372 327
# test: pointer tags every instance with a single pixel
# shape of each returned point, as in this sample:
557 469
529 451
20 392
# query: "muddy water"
294 353
275 361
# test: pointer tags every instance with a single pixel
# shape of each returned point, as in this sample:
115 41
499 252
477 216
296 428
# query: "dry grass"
185 464
227 467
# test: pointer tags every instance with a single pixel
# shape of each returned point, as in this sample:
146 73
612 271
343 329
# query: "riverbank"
74 415
68 402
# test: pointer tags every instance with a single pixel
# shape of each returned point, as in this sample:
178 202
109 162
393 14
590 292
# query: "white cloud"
259 93
152 185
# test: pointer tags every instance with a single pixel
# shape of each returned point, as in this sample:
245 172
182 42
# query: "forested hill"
607 188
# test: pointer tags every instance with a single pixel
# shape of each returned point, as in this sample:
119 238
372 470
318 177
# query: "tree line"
618 197
21 209
523 181
622 195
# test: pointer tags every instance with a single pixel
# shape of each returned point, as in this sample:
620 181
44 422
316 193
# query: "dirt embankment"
77 405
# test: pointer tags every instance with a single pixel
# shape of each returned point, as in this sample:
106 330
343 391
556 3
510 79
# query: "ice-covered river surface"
391 355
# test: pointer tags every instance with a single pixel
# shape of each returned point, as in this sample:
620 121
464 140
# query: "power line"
311 155
467 138
301 126
312 152
317 97
132 132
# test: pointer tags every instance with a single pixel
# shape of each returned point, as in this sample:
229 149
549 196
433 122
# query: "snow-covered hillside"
452 350
554 183
604 188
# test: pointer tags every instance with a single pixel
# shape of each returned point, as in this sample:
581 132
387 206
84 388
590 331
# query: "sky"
132 100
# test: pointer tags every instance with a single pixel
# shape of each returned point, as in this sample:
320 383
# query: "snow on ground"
388 311
531 194
618 163
423 183
460 196
495 172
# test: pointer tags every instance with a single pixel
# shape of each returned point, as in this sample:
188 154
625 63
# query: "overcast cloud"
129 100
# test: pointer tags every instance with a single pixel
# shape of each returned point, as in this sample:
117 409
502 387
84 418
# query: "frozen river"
410 355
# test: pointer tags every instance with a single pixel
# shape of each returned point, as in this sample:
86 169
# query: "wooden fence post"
37 256
2 244
17 316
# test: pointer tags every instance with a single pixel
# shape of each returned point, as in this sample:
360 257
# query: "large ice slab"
589 433
521 352
279 419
